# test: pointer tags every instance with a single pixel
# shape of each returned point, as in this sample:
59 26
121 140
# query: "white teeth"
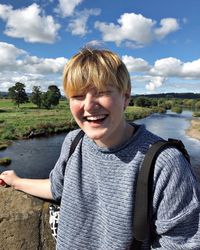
95 118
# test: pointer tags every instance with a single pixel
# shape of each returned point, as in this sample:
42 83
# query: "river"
172 125
35 158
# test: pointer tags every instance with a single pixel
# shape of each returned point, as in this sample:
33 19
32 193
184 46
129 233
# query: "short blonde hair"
95 68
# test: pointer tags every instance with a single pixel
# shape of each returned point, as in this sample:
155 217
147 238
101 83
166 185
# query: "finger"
4 173
7 172
2 182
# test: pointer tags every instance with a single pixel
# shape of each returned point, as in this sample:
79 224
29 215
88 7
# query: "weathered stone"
24 222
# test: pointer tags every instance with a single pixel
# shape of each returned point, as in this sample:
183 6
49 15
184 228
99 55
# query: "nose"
91 102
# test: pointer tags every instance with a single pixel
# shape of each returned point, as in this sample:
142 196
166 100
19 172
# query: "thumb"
2 182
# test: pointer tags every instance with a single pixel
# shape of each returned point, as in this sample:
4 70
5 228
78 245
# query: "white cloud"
167 67
28 23
95 44
136 29
78 24
168 25
8 80
9 53
155 83
133 45
162 72
15 59
5 10
191 69
43 65
31 80
135 64
18 65
67 7
130 26
174 67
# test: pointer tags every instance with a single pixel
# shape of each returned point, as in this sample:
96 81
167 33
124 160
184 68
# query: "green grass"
6 103
196 114
133 113
17 123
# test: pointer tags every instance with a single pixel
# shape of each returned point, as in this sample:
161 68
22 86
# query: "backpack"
142 227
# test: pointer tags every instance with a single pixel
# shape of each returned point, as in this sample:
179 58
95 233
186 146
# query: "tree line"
41 99
165 102
52 96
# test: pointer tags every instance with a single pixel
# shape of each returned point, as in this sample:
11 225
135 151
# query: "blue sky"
157 40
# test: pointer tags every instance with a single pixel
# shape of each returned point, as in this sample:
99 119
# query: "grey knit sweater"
98 189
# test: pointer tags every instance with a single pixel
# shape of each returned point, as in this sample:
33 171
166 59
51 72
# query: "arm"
176 203
37 187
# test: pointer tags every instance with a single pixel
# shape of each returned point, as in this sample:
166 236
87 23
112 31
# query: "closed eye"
78 97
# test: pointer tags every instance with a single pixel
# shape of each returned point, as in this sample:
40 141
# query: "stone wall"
24 222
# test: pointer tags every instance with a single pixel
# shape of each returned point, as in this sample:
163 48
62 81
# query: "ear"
127 99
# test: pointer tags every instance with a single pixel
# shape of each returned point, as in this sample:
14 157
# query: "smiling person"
97 188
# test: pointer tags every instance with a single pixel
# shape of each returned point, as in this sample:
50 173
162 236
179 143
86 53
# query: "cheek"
75 108
114 105
118 104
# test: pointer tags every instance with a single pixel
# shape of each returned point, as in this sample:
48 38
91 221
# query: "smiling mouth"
97 118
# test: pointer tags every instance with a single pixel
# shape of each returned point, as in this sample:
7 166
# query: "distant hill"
172 95
162 95
3 94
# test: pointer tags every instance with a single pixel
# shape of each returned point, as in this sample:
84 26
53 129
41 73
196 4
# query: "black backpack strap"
73 146
142 227
179 144
75 142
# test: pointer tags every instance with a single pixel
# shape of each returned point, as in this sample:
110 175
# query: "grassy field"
16 123
28 120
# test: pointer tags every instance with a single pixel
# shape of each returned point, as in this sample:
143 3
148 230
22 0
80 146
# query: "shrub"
177 109
5 161
3 146
196 114
197 105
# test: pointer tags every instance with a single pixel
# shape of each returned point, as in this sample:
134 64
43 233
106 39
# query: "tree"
36 96
51 97
131 102
197 105
142 102
54 94
46 100
18 94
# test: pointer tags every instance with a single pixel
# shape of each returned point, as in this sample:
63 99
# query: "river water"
172 125
35 158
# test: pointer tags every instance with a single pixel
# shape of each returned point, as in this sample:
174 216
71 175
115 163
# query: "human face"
100 114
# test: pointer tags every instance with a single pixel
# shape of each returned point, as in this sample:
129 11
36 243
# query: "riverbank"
29 122
194 129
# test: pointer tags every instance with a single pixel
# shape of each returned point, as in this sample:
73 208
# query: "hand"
8 178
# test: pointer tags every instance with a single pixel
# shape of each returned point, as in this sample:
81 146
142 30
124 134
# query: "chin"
95 135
